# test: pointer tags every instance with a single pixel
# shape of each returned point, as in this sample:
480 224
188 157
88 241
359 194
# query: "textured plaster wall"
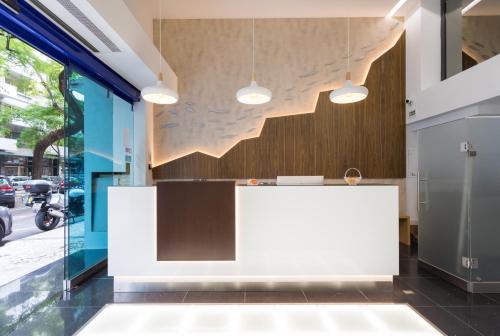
481 36
295 58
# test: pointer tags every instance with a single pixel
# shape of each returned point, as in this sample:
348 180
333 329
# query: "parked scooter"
36 192
50 213
49 207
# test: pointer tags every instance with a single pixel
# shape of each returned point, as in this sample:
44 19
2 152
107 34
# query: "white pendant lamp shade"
159 93
254 94
348 93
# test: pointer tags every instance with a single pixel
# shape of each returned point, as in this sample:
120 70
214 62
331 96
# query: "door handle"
420 179
418 191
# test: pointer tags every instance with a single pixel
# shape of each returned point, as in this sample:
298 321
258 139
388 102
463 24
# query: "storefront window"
99 138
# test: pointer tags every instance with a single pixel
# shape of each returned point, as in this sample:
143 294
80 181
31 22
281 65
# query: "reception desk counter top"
281 234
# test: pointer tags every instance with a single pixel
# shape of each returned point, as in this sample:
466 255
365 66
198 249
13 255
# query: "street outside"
23 220
28 248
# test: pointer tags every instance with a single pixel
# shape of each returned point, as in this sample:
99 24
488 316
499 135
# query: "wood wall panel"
369 135
196 221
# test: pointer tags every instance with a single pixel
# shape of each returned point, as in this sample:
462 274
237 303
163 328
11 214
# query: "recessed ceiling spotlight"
396 7
469 6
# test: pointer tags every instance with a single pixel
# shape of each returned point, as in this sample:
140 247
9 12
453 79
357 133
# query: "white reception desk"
283 234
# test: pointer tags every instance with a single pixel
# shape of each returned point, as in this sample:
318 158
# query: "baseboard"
85 275
468 286
453 279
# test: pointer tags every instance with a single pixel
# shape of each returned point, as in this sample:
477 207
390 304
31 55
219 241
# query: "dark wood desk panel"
195 221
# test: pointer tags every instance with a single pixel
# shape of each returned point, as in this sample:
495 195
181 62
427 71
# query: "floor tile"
102 274
214 297
494 296
406 252
445 294
55 321
451 309
484 319
446 322
335 295
411 268
94 293
128 297
398 292
275 297
165 297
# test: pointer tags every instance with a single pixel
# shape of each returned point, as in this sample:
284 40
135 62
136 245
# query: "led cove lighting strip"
396 8
469 6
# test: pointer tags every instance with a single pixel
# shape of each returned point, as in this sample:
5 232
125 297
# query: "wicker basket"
352 180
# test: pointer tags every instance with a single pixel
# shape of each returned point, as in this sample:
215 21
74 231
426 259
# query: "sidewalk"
26 255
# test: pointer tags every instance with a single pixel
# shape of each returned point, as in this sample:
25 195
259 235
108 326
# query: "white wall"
469 87
143 129
430 43
413 55
423 70
423 50
144 13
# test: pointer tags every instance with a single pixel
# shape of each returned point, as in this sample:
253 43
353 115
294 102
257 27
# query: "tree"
45 118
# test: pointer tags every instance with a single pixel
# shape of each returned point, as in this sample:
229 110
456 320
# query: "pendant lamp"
253 94
348 93
159 93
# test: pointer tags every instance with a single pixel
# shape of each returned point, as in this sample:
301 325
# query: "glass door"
99 138
444 186
484 135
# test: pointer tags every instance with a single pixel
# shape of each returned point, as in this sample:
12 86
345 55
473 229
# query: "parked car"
5 177
5 222
7 193
18 181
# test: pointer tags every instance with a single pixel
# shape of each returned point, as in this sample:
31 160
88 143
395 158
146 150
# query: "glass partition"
99 137
444 177
484 137
471 33
459 194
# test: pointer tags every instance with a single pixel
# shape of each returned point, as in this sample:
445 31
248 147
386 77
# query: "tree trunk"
58 134
40 148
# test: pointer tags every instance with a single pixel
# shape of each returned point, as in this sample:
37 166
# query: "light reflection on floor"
283 319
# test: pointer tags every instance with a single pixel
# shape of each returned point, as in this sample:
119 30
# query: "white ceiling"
202 9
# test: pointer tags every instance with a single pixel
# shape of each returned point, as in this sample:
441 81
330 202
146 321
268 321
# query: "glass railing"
471 33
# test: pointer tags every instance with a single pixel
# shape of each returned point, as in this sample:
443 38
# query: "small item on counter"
350 179
252 182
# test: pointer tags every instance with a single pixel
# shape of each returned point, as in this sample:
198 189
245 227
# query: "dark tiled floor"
214 297
296 296
33 305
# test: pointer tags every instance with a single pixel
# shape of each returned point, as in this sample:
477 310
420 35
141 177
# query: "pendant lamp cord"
160 75
253 49
348 45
